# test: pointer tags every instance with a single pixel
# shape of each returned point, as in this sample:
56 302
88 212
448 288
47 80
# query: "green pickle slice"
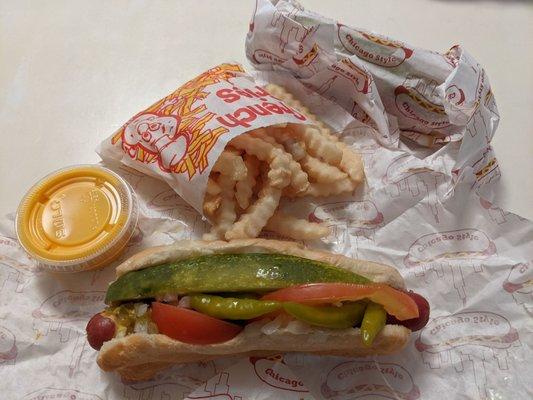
252 272
345 316
231 307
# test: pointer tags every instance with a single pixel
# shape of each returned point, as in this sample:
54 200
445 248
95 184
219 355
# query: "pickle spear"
252 272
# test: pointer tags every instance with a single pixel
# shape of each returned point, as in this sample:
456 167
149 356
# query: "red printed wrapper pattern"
426 96
430 214
180 137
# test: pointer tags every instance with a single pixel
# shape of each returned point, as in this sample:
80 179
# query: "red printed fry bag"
180 137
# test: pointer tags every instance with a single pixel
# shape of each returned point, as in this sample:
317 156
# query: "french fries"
244 188
251 223
257 169
213 188
320 171
296 228
231 162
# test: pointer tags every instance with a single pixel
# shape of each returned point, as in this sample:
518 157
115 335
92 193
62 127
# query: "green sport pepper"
345 316
218 273
373 322
231 307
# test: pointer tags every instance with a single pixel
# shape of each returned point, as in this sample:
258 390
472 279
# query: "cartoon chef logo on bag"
372 48
363 379
157 135
451 250
468 338
179 131
180 137
173 132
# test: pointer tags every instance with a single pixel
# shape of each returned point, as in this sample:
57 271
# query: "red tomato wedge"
395 302
190 326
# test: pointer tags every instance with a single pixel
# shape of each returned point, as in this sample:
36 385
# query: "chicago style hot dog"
199 300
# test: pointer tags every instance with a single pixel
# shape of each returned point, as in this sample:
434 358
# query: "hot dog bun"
140 356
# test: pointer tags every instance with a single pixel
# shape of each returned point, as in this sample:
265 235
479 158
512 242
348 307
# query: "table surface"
72 72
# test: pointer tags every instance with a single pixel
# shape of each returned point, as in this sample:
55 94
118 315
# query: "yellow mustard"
77 218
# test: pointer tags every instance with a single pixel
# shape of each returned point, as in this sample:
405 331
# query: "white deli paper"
426 211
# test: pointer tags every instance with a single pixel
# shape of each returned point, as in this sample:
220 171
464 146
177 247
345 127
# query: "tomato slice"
190 326
395 302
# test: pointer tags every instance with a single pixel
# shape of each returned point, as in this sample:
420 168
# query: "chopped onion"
270 327
277 323
185 302
140 326
121 331
140 309
298 327
168 298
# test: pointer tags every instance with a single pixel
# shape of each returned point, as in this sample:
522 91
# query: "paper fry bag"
180 137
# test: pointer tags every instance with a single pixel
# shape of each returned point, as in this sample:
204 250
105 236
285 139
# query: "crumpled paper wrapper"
426 211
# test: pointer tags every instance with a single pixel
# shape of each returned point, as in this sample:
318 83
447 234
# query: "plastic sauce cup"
77 218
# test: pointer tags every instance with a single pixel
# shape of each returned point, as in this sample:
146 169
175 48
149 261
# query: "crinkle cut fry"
279 174
212 198
296 228
226 214
231 161
244 188
320 171
349 162
317 145
292 146
213 188
256 217
211 205
329 189
299 179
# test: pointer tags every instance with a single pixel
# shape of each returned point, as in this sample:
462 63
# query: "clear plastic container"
77 218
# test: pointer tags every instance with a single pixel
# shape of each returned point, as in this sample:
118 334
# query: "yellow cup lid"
77 218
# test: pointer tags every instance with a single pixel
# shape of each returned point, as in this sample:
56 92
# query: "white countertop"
72 72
